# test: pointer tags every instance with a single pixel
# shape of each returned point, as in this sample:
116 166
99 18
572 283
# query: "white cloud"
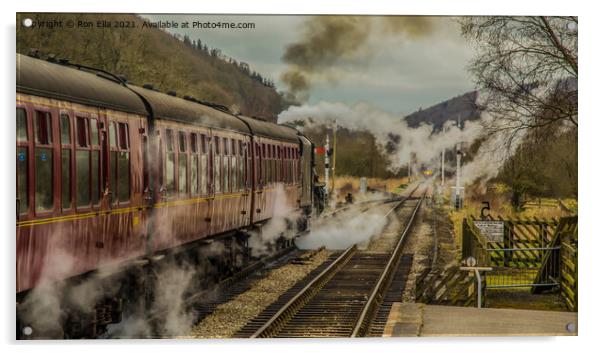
400 75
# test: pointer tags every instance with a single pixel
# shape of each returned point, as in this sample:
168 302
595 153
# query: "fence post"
507 242
466 241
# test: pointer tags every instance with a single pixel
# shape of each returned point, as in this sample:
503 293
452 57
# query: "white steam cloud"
402 143
419 141
282 224
341 231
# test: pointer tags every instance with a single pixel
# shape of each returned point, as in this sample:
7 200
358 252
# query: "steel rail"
288 310
363 322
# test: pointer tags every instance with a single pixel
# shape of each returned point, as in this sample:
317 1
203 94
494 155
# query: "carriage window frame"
257 163
267 164
67 145
169 153
92 144
119 148
195 180
25 204
234 187
46 143
217 166
278 164
204 161
182 174
226 165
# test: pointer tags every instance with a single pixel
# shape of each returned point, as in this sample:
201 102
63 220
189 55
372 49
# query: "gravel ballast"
230 317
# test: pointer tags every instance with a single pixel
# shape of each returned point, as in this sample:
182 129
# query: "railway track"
202 304
349 296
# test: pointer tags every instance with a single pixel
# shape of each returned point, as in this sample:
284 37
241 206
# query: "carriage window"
43 162
43 128
194 174
226 166
82 131
95 176
278 164
124 138
170 178
123 163
234 171
112 134
119 164
285 164
182 161
240 165
182 141
66 178
225 173
123 175
145 164
113 175
22 179
65 129
273 164
21 125
267 164
217 149
203 144
193 146
82 163
43 177
217 178
194 164
87 165
203 174
22 161
94 132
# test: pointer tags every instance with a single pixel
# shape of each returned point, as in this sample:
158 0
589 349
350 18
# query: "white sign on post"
493 231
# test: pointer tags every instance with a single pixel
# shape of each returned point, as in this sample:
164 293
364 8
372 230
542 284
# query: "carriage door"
104 160
260 180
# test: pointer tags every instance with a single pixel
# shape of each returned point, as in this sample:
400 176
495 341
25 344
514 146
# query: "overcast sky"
399 75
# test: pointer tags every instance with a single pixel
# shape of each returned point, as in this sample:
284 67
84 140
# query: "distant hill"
463 106
151 55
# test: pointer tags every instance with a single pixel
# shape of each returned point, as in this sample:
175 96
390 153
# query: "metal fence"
523 268
536 254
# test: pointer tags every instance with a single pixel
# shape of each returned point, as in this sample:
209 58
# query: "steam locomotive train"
113 175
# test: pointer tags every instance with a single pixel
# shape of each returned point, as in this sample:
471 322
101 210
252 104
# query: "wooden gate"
451 286
536 253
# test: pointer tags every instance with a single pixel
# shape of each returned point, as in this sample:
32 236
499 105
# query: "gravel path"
420 243
229 317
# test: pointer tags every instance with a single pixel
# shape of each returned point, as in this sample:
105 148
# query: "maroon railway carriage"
108 172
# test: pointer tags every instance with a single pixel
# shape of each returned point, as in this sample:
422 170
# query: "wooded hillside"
151 55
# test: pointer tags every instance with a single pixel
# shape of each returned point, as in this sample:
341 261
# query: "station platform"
416 319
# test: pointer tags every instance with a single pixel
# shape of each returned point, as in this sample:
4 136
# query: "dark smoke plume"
329 40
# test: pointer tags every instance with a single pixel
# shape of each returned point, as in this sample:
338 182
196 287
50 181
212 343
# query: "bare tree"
526 68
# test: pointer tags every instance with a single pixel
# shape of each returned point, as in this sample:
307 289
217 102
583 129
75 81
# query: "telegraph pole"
458 190
443 167
326 166
458 161
334 152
